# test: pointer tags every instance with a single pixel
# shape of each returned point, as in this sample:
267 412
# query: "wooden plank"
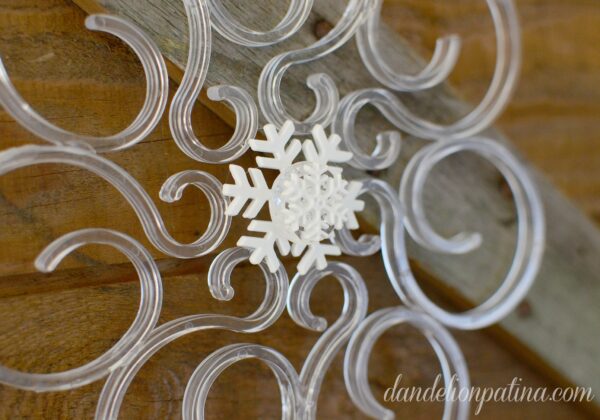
568 281
82 321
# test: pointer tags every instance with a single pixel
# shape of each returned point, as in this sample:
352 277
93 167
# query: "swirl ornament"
508 63
530 230
219 277
309 203
530 234
184 100
134 193
157 93
388 143
298 394
145 320
209 370
235 31
447 350
327 97
439 68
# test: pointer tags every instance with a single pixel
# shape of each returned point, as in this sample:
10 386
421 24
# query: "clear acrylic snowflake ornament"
307 202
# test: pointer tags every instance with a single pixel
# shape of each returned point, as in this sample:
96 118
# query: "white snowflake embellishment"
307 201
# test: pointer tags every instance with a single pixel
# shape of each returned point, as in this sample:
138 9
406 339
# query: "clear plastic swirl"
356 362
145 320
508 63
530 233
157 89
234 31
366 245
333 339
134 193
327 96
221 268
184 100
388 144
442 63
209 370
530 229
299 393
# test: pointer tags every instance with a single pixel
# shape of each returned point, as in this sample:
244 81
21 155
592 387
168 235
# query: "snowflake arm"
315 255
276 142
264 248
242 192
351 204
328 148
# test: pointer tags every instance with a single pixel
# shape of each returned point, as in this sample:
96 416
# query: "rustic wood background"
91 83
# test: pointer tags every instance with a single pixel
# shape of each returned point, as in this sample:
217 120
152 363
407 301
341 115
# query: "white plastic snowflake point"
307 201
242 192
276 145
328 148
316 255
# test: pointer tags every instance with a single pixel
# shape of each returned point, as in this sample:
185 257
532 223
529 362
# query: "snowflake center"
307 201
305 197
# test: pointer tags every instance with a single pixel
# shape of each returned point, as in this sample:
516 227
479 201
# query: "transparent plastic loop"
268 312
145 320
393 246
508 62
157 89
356 362
327 97
530 230
365 246
134 193
209 370
442 63
388 143
333 338
299 393
234 31
530 236
184 100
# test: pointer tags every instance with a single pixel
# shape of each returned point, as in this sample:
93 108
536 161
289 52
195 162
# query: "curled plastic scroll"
356 362
234 31
299 393
442 63
145 320
219 278
157 89
180 113
508 62
134 193
327 97
530 233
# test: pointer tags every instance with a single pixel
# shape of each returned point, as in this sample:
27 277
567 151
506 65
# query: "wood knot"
322 28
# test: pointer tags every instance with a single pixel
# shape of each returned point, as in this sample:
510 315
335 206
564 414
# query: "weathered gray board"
561 318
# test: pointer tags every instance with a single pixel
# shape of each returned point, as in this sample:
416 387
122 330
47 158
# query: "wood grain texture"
464 193
91 83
